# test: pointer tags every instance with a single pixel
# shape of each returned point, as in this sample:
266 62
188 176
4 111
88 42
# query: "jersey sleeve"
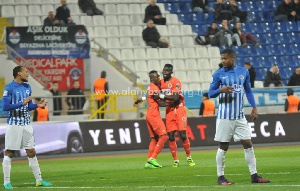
214 85
6 100
247 87
153 90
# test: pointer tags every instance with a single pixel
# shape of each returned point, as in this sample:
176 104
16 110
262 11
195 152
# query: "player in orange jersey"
155 124
176 117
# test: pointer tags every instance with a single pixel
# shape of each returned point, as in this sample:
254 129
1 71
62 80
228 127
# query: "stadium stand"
119 30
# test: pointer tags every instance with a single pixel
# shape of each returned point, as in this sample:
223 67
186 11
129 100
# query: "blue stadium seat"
283 37
243 6
289 61
291 26
286 49
238 50
273 49
295 49
194 18
261 74
273 4
294 61
255 16
256 28
285 72
239 60
268 15
294 37
263 5
261 50
277 60
280 27
271 39
260 38
246 27
174 7
264 62
252 6
250 51
268 27
185 7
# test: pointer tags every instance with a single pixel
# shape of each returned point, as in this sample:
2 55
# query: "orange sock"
187 147
159 146
151 148
173 149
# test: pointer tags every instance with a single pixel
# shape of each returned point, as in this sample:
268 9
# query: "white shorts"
226 128
19 137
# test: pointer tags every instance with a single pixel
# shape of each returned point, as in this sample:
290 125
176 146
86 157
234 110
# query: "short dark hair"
247 63
103 74
16 70
153 71
205 95
169 66
228 51
290 91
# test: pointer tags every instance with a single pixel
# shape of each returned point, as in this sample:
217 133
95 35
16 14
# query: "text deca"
279 130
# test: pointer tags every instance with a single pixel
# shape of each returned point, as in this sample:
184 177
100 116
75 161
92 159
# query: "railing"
126 71
36 74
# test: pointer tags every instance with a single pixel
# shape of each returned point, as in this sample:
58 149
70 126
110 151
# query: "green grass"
126 172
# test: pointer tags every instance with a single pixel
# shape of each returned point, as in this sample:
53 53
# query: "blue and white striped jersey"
13 97
231 105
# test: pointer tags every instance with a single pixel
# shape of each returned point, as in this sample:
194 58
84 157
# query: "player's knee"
183 136
171 138
30 153
9 153
164 137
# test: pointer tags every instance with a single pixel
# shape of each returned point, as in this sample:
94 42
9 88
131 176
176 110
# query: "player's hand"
26 100
227 90
42 103
254 114
137 102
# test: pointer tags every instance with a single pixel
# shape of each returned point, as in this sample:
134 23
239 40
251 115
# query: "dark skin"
228 62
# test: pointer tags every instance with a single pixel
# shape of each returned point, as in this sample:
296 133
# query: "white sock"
220 159
35 167
6 165
251 160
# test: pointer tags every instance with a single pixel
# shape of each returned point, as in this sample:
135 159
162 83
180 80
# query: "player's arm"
6 101
214 90
201 109
250 96
162 103
286 105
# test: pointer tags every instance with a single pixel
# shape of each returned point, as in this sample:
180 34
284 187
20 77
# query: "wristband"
144 98
161 96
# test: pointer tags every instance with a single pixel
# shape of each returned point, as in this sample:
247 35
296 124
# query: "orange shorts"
176 119
155 126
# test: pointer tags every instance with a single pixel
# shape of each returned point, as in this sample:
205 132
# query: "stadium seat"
195 86
295 48
116 53
179 64
205 86
276 60
175 41
20 21
177 53
261 50
203 64
122 8
239 60
255 17
136 30
101 41
273 49
130 65
294 37
20 2
205 76
172 19
191 64
45 8
87 20
136 19
140 53
258 84
141 65
110 9
76 19
286 49
115 43
260 37
283 37
188 41
280 27
126 54
214 62
291 26
126 42
165 61
124 19
154 65
174 30
100 32
111 20
165 53
256 28
35 10
163 30
112 31
74 9
186 30
213 51
193 76
181 75
136 9
263 62
185 86
271 38
21 10
31 2
238 50
250 51
152 53
268 27
143 78
189 52
125 31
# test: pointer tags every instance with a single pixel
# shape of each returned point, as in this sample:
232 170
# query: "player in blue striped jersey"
230 83
17 100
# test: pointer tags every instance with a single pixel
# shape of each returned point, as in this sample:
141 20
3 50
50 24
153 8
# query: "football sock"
173 149
187 147
151 148
251 160
159 146
35 167
220 159
6 165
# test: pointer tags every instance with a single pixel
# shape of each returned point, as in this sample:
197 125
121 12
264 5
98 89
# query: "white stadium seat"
205 76
205 86
102 42
179 64
110 9
125 31
203 64
162 29
181 75
123 9
165 53
87 20
20 21
189 52
185 87
174 30
175 41
36 10
152 53
172 19
100 32
126 42
8 11
214 51
136 9
21 10
34 21
177 53
111 20
127 54
195 86
112 31
130 65
113 42
99 20
191 64
46 8
124 19
201 52
137 30
141 65
140 53
193 76
187 41
136 19
154 65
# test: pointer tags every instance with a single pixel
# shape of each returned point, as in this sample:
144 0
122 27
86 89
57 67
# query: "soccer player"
17 100
229 83
176 118
155 124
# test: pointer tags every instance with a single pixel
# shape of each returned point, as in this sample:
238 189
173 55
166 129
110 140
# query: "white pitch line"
149 187
270 173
